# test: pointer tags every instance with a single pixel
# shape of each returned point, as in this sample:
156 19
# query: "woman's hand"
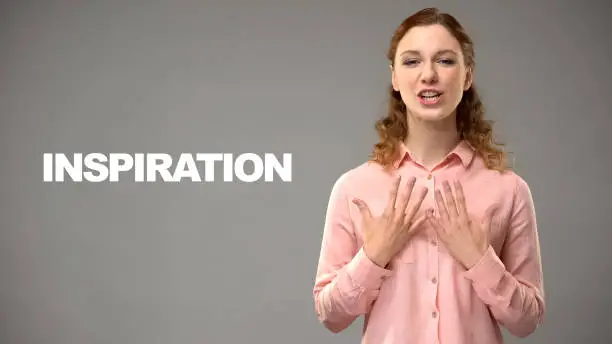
387 234
466 240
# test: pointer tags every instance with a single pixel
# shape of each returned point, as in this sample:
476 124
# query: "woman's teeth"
430 94
430 97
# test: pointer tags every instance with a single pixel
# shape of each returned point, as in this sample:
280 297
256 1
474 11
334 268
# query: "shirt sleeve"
512 284
347 281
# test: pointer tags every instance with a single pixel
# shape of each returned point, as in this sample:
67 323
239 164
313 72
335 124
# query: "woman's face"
430 72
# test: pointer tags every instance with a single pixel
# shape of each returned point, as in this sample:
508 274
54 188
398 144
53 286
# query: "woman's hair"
471 124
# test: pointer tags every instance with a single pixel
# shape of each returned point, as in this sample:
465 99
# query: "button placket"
433 248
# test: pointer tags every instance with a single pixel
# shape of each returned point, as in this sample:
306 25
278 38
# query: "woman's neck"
429 142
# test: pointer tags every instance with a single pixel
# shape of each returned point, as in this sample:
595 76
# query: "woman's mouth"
429 97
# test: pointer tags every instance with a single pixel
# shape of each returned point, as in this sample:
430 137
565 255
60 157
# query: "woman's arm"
347 281
512 285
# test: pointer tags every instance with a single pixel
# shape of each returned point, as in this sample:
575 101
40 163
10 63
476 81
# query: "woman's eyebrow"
416 52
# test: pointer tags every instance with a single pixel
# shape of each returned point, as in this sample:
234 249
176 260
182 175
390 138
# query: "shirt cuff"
488 271
364 273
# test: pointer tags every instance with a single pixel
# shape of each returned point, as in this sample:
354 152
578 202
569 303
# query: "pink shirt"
424 295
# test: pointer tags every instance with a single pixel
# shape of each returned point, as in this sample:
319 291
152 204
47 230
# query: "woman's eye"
412 62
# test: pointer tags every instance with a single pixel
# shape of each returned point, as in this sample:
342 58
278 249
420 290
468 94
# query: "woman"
433 240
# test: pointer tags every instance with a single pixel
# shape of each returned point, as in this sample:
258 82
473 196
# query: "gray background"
235 263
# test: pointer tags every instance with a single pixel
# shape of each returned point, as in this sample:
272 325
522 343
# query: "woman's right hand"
387 234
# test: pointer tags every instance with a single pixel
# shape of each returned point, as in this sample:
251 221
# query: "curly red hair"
471 123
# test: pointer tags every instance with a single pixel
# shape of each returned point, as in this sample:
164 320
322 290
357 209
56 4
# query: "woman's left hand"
466 239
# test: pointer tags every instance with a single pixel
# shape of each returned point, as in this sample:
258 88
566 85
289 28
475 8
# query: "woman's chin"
432 115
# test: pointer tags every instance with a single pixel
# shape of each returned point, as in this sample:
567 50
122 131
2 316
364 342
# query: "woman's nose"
428 74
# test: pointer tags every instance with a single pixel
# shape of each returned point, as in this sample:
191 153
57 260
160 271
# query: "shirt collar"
464 151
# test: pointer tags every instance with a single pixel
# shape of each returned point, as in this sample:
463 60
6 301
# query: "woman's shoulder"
510 180
507 176
363 176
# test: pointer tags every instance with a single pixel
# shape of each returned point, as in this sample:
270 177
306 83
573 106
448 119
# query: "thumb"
486 222
416 224
366 215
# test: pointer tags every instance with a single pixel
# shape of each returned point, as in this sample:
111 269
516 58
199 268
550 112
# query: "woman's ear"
469 77
393 79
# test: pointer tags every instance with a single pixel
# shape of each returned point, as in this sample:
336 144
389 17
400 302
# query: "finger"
364 210
412 228
393 196
435 224
417 202
450 199
461 204
441 205
405 199
416 225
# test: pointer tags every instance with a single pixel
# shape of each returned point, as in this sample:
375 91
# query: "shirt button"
434 280
434 243
429 176
434 314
